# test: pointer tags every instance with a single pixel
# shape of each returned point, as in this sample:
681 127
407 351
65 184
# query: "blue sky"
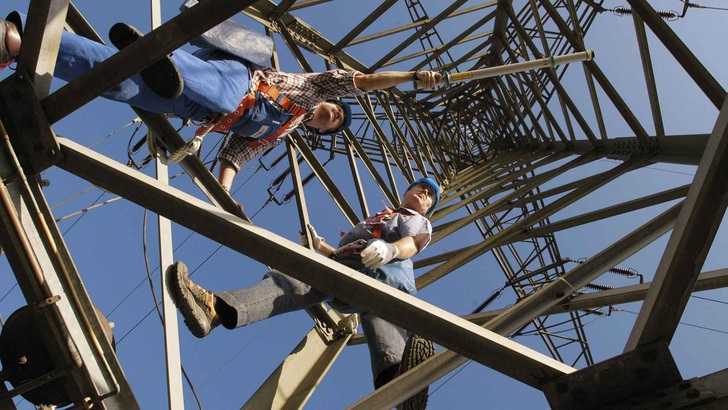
228 366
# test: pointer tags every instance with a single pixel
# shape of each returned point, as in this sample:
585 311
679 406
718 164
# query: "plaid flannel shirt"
307 90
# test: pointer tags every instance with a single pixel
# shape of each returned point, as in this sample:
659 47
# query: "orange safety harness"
376 221
222 123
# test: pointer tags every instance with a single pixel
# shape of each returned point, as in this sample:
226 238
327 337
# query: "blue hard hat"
347 118
435 188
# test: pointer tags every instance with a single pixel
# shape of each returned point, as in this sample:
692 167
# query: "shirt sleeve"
334 83
415 225
237 151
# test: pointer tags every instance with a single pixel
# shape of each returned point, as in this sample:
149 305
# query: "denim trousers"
279 293
214 81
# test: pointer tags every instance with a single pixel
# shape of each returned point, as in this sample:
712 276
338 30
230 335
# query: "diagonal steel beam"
601 78
695 69
351 35
139 55
608 212
649 72
710 280
522 313
41 37
409 40
368 294
324 177
506 235
689 243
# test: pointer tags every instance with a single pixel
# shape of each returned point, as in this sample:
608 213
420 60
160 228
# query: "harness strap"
375 221
223 123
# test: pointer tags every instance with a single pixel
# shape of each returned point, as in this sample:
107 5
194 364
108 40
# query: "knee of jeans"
288 283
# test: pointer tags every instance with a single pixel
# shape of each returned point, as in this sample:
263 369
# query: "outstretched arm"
386 79
226 175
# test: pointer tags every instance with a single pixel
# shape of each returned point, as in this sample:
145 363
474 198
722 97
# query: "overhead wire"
449 378
681 322
8 292
653 168
102 139
157 303
72 197
89 208
709 299
82 215
226 363
698 6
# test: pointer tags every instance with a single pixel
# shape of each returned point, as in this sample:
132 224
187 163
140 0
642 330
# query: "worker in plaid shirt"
210 85
316 93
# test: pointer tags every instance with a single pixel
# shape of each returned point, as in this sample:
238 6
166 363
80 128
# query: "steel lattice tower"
515 155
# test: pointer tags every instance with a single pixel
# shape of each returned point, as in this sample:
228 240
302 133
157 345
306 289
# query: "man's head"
423 196
330 117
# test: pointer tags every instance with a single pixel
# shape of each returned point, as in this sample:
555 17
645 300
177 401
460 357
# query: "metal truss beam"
139 55
689 243
526 310
53 289
712 280
320 272
695 69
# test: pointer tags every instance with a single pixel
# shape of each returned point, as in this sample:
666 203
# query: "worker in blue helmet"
432 184
380 246
218 87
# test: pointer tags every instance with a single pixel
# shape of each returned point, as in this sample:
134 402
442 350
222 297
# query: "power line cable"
192 272
698 6
72 197
709 299
682 323
82 215
8 292
157 303
653 168
102 139
142 281
449 378
271 322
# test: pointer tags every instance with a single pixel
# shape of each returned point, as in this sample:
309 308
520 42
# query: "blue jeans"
214 81
279 293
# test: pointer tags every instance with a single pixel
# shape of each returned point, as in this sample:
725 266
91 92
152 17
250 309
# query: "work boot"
416 351
161 77
196 304
10 41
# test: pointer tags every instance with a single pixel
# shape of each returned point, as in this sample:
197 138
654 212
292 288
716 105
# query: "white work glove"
311 233
378 253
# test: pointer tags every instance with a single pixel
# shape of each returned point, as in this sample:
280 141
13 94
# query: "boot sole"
162 77
194 316
416 351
